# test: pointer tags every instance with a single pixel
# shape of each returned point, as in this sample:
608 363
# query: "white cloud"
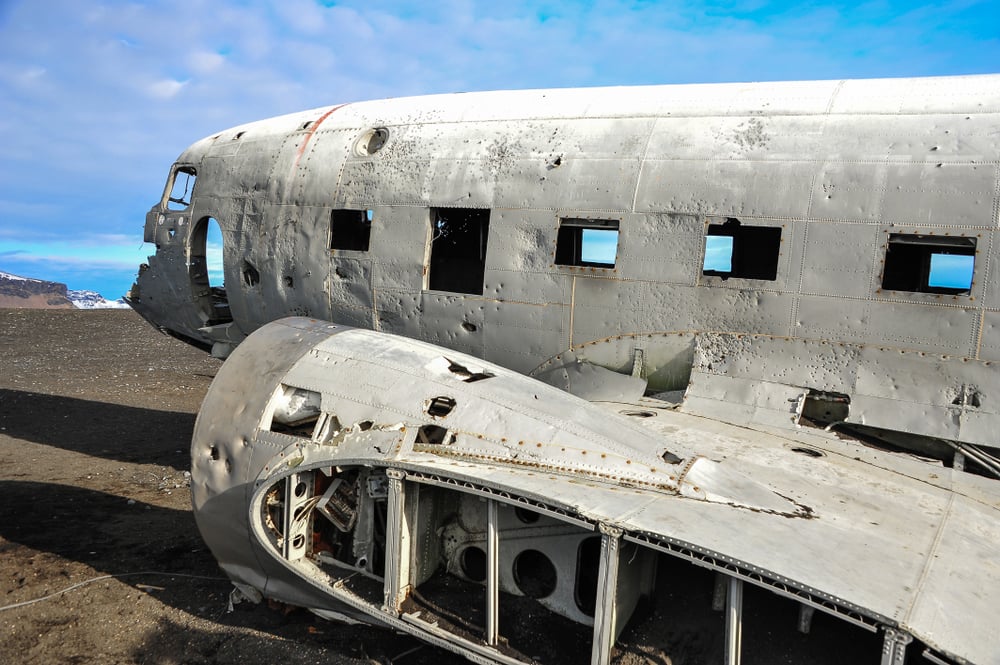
141 81
165 88
206 62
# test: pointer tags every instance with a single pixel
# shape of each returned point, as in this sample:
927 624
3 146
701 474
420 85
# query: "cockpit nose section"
181 288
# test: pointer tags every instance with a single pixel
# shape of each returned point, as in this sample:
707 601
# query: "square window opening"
350 229
458 249
181 188
929 264
747 252
587 242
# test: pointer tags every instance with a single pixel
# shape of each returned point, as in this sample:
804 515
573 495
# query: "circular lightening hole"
298 541
526 516
639 414
300 489
473 563
534 574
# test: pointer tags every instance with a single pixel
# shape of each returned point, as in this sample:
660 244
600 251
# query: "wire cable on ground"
109 577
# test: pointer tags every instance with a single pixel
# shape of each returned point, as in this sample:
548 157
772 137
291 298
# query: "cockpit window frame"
171 196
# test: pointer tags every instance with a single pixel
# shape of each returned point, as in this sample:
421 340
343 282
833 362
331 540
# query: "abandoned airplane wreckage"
664 374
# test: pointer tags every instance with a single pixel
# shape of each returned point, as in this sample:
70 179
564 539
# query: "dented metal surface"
834 388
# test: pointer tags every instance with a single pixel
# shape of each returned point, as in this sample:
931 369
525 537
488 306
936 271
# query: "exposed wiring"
109 577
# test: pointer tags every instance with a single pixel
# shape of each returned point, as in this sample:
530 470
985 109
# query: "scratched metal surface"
912 544
838 166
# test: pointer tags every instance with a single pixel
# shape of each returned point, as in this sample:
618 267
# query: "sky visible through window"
951 271
599 246
718 254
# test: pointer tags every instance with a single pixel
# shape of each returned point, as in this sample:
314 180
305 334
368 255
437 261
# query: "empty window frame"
458 249
929 264
350 229
181 188
748 252
587 242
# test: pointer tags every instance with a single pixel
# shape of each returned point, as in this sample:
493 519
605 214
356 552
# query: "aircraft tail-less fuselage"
622 361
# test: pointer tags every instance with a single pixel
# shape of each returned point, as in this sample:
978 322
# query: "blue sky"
98 98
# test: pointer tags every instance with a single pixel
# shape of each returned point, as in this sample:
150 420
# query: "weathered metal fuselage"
774 251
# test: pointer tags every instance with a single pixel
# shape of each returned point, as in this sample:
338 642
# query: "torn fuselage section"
181 290
387 480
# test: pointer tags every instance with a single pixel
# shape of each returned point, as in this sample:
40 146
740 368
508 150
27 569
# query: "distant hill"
32 293
26 292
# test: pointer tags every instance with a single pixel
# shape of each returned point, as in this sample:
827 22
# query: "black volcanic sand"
96 413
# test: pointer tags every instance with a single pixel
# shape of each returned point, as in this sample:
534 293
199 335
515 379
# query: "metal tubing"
492 575
607 592
396 569
734 621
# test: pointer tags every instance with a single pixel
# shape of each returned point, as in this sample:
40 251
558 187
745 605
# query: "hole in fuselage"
534 574
473 561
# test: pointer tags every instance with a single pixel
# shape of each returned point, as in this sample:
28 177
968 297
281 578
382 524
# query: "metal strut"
734 621
894 646
607 593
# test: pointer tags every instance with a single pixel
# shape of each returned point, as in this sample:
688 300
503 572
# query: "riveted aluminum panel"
727 188
985 280
848 191
581 183
918 95
940 194
989 338
671 307
970 532
433 317
819 365
516 334
605 307
786 97
930 380
398 247
832 318
839 259
397 312
349 286
945 329
749 310
737 137
314 170
443 317
404 162
522 241
661 247
540 288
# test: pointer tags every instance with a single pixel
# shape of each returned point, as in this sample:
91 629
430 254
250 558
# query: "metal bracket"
894 646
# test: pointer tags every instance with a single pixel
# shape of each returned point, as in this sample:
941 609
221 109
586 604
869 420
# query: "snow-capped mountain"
17 291
94 300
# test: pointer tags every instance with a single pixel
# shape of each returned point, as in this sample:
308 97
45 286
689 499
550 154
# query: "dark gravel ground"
96 414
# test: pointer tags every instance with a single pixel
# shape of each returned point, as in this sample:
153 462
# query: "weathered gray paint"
838 166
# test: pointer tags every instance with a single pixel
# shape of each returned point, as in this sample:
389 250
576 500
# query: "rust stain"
312 130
